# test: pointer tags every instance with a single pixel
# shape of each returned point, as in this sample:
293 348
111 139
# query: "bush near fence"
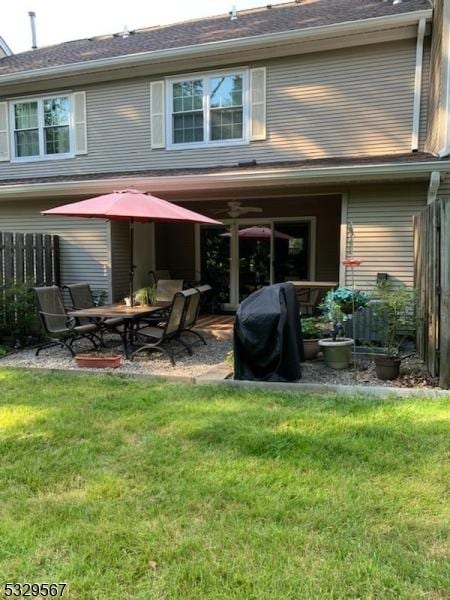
26 260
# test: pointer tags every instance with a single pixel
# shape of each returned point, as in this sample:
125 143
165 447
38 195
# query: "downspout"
418 85
445 150
435 180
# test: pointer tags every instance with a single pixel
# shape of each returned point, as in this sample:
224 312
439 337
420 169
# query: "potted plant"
145 296
394 311
336 307
311 333
98 360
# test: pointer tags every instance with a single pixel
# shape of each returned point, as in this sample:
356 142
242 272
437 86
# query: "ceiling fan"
236 210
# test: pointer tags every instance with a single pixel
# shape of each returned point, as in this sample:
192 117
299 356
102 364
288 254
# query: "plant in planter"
145 296
336 307
311 333
395 313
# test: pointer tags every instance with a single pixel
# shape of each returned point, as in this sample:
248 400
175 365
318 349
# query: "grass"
152 491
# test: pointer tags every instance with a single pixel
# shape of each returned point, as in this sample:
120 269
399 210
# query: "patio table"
130 315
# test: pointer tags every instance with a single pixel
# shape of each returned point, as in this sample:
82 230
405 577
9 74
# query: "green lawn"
148 491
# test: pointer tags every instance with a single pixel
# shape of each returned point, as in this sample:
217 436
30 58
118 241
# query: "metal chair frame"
81 297
170 331
70 332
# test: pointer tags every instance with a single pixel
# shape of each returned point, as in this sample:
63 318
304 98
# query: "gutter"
418 85
236 44
228 179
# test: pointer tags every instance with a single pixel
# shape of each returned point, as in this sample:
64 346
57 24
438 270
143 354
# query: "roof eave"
155 56
229 179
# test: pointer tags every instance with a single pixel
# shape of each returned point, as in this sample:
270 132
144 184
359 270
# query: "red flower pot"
87 361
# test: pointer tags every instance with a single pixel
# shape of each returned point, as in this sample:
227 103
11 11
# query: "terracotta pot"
387 367
337 354
311 349
87 361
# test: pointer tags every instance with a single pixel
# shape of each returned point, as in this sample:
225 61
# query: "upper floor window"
41 128
208 110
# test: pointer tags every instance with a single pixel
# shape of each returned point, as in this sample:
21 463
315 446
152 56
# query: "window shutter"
157 131
4 132
80 122
258 103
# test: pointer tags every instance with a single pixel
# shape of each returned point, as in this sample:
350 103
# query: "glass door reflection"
215 243
254 258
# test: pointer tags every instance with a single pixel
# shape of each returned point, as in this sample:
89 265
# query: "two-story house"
311 129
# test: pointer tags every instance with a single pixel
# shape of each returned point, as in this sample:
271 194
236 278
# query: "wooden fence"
29 257
432 281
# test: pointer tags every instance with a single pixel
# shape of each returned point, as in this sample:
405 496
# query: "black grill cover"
267 336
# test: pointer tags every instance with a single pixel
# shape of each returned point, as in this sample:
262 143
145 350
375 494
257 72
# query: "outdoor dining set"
141 328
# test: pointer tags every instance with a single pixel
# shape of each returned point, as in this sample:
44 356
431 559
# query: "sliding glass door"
243 256
254 251
215 261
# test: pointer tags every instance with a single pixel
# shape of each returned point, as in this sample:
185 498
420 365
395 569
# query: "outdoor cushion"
86 328
154 332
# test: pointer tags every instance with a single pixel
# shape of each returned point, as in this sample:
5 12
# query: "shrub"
395 312
342 298
311 329
18 317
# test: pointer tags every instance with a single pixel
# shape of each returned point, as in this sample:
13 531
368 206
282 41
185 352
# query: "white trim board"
343 240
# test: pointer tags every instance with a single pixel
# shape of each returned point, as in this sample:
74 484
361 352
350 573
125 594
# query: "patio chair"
59 327
155 337
81 297
309 300
193 310
167 288
162 274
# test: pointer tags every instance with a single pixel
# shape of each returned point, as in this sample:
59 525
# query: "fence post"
444 375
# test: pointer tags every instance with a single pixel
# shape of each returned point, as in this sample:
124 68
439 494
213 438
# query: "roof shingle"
279 18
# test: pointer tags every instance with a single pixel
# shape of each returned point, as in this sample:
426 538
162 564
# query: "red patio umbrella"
133 206
259 232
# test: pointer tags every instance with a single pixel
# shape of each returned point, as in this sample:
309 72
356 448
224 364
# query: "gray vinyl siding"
381 217
120 260
353 101
83 242
444 187
425 94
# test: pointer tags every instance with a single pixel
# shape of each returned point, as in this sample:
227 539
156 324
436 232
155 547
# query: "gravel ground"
203 359
412 374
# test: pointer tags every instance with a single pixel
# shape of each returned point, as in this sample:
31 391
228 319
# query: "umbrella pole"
132 266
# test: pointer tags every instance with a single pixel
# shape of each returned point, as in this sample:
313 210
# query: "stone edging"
316 388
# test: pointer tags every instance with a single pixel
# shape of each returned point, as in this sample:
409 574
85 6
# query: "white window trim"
42 156
243 71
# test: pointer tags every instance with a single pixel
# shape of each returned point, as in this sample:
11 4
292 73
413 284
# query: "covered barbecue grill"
267 336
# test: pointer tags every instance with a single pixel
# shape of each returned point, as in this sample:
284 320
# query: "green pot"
337 354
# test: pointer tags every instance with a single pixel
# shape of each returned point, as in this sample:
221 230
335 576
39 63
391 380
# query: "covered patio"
263 240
